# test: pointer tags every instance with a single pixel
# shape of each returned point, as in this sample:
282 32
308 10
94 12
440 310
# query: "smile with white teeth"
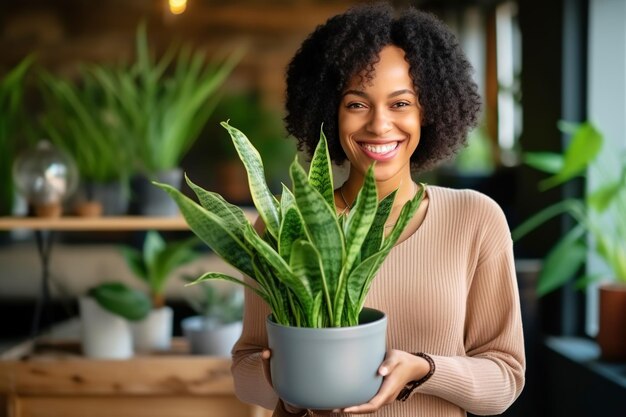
380 149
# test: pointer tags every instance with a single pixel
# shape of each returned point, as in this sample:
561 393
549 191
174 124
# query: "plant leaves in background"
121 300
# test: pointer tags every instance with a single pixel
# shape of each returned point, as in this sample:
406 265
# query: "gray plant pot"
152 200
328 368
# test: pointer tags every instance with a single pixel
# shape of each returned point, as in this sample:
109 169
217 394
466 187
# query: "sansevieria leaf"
320 172
265 202
213 231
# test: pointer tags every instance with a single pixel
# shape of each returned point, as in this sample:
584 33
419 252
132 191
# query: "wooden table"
55 380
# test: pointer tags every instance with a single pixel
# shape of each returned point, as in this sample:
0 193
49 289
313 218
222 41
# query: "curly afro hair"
348 44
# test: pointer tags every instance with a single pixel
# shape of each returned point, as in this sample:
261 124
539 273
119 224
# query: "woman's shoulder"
467 199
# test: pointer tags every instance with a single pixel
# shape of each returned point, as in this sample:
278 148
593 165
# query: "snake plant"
311 265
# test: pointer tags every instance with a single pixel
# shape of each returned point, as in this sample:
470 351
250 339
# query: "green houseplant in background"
217 324
591 230
165 103
83 118
105 314
312 266
155 265
11 128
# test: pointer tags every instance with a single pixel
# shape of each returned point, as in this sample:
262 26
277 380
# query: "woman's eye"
401 104
355 106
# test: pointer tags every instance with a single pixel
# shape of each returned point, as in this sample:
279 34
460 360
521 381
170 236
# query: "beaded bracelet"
408 389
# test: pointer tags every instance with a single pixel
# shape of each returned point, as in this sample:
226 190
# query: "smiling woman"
394 89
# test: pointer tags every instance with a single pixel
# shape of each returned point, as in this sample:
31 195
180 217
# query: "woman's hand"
398 369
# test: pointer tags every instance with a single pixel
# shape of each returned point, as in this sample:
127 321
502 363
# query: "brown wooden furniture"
55 380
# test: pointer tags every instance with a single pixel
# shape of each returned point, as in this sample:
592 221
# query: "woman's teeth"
380 149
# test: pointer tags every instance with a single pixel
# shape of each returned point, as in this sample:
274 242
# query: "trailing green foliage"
312 266
158 259
121 300
608 238
12 121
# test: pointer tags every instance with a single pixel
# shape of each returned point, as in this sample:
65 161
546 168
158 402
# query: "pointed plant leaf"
544 161
320 224
320 172
291 229
220 276
375 236
135 262
215 203
263 199
601 198
213 231
306 265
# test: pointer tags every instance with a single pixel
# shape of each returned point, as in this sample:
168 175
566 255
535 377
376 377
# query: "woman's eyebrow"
365 95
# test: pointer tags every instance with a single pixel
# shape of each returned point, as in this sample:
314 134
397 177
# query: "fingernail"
383 371
336 410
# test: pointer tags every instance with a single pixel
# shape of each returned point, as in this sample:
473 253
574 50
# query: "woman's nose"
379 123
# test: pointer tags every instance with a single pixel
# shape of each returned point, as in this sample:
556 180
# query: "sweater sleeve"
490 376
252 383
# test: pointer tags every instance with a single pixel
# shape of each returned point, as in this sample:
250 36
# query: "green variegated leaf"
218 275
213 231
306 265
360 277
290 230
286 200
265 202
320 224
281 268
360 219
320 172
406 214
376 234
216 204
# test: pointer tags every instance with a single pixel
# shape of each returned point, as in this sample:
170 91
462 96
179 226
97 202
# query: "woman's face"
380 120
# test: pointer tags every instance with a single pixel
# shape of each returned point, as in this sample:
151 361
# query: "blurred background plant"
83 118
218 306
590 230
13 124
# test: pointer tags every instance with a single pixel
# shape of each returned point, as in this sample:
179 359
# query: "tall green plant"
608 240
166 102
83 118
312 266
12 121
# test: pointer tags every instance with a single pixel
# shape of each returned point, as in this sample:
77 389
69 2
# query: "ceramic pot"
104 334
612 322
328 368
210 337
153 201
154 332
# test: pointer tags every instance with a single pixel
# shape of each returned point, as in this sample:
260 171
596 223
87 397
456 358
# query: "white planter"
155 331
104 334
207 337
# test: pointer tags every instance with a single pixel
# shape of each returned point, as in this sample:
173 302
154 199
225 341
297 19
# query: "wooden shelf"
106 223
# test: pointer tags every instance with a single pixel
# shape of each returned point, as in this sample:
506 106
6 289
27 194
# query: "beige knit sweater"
449 290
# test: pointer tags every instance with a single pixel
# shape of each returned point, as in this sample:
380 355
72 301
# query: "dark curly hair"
348 44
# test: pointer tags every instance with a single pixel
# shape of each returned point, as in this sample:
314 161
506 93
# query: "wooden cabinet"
55 380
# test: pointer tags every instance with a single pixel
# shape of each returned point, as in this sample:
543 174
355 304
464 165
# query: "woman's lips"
380 151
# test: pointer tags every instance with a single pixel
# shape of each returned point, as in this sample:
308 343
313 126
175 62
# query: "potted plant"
11 125
217 324
165 103
154 265
83 119
592 232
105 313
313 267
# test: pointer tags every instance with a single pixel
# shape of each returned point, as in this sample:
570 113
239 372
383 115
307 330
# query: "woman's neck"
403 183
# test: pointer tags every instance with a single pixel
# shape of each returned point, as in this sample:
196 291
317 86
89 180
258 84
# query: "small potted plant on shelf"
599 227
313 267
217 325
105 314
155 265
